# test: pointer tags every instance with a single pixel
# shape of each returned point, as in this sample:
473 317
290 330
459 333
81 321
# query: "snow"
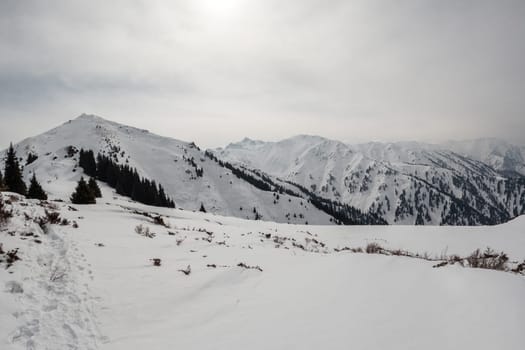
95 286
112 297
158 158
497 153
371 176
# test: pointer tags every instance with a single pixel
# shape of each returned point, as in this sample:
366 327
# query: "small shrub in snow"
12 257
357 250
373 248
159 220
4 213
398 252
248 267
520 268
144 231
489 259
52 206
441 264
156 261
186 271
453 259
53 217
64 222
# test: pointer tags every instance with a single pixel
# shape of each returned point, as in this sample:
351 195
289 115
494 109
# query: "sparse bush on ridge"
373 248
489 259
159 220
144 231
520 268
53 217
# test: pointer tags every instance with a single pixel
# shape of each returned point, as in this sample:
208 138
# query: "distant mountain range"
303 179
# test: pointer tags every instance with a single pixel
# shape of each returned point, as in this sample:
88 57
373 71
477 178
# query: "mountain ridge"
302 179
342 171
187 175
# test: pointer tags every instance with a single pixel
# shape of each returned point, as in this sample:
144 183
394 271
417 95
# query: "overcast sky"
214 71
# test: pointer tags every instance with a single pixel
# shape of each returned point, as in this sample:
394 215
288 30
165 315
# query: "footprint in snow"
69 331
14 287
50 307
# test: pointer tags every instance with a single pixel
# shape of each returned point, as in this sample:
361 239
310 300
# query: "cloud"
217 71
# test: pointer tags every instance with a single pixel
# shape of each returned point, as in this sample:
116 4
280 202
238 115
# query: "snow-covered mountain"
189 176
304 179
119 274
405 182
497 153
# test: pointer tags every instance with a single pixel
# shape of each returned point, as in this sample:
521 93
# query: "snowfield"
96 287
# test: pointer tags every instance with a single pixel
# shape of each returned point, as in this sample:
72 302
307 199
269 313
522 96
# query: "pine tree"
86 160
31 158
83 194
93 186
12 174
2 186
127 182
35 190
202 209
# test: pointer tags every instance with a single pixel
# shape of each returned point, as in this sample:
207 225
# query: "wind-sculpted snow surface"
120 275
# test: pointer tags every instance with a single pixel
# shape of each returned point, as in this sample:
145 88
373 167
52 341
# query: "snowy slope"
165 160
497 153
404 182
95 287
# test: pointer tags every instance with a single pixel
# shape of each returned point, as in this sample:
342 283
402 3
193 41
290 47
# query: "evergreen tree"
83 194
202 209
93 186
12 174
31 158
35 190
2 186
127 182
86 160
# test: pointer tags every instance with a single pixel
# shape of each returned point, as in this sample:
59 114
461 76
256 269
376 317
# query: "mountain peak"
85 116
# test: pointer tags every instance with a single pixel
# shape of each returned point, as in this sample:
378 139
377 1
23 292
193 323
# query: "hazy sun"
219 8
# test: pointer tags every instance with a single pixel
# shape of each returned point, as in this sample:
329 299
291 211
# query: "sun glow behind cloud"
355 70
218 9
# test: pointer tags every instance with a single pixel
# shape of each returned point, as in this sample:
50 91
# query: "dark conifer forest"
124 179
